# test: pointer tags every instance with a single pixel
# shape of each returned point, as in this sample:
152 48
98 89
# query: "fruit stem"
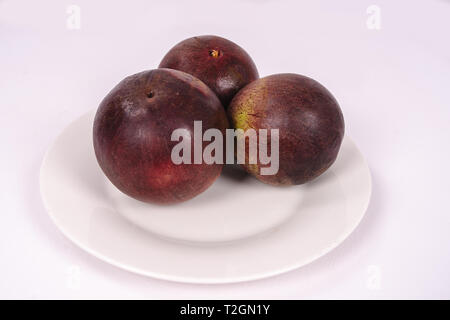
214 53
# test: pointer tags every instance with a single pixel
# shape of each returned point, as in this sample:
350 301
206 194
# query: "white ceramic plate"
239 229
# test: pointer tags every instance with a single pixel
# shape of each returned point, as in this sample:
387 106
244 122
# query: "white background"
393 85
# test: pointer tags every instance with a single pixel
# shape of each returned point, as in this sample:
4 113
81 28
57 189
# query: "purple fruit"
132 135
309 119
219 63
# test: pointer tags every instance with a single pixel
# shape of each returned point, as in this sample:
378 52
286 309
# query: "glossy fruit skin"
309 119
132 135
223 65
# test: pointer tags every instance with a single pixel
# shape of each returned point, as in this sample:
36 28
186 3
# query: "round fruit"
221 64
133 128
310 123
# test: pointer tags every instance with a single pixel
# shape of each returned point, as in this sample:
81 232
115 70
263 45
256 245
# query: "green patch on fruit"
248 109
253 168
241 120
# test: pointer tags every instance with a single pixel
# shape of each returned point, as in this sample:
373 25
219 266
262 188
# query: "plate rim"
189 279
